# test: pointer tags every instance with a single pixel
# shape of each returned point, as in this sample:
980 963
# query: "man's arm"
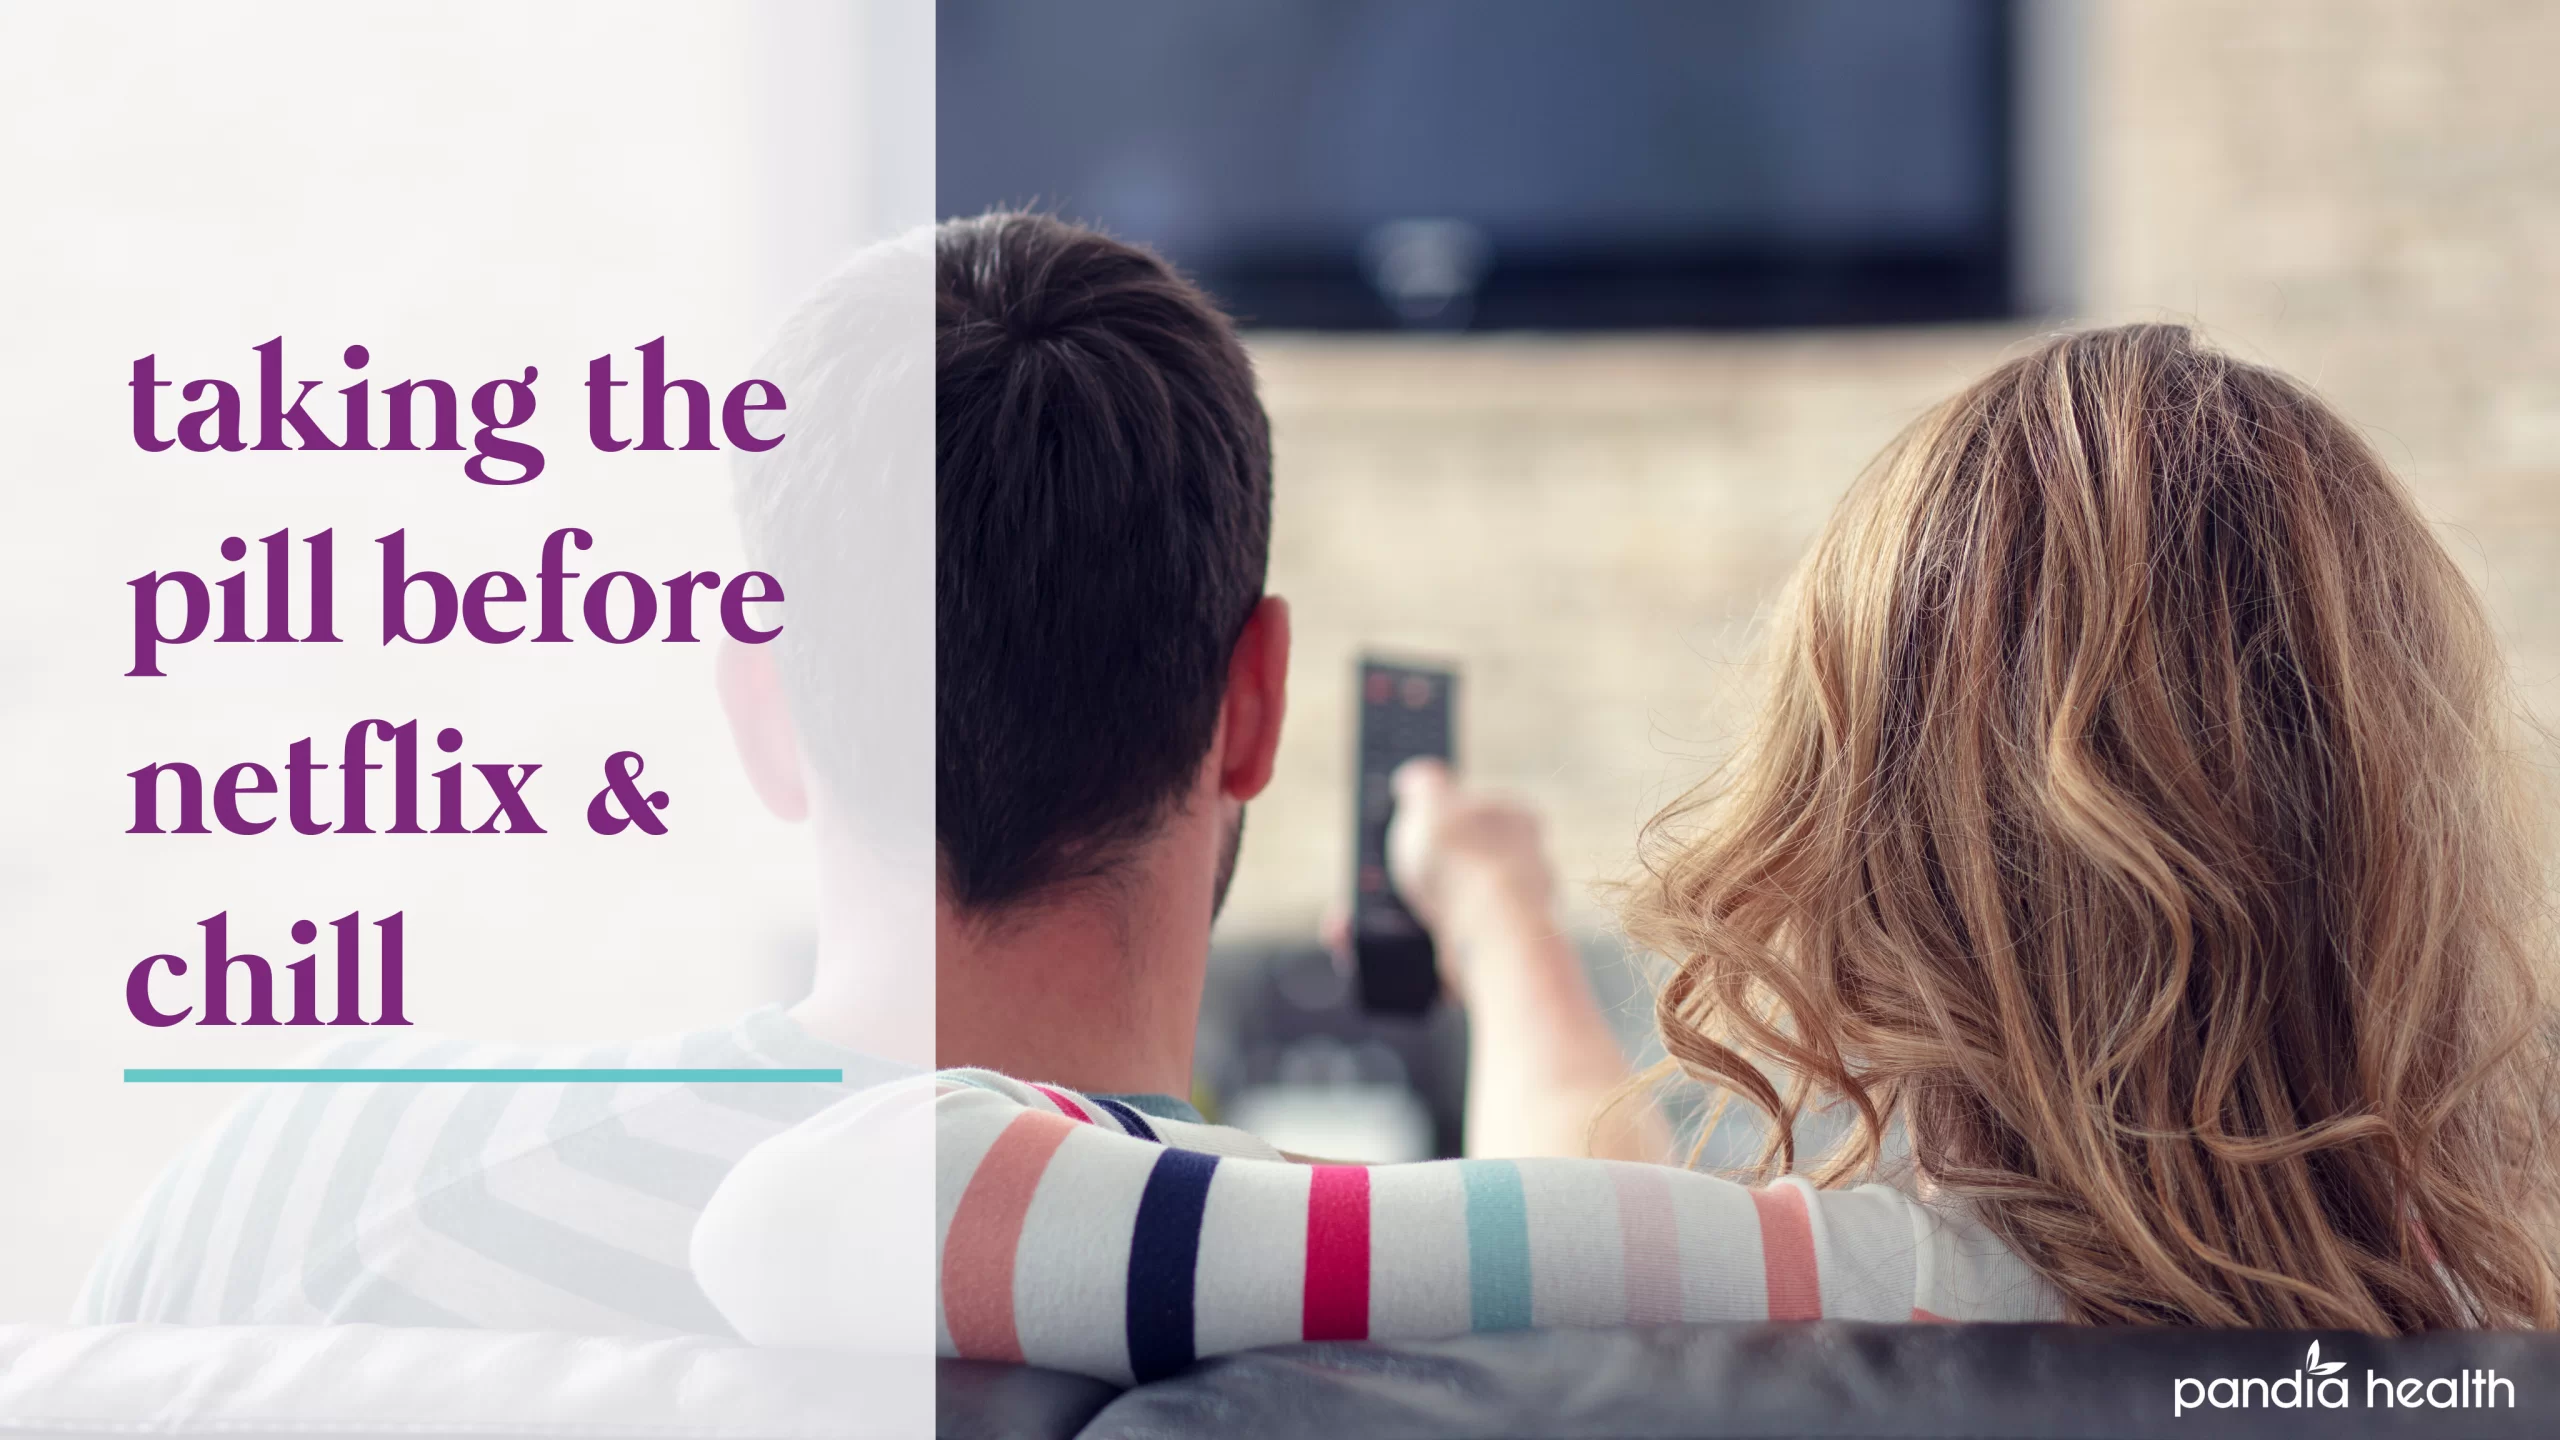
1080 1246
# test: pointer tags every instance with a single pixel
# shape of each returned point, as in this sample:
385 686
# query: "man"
1109 686
1110 678
1110 683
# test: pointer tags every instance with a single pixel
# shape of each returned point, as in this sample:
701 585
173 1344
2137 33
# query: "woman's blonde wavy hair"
2134 828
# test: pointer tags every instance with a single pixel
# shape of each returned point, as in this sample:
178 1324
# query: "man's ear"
1257 698
760 721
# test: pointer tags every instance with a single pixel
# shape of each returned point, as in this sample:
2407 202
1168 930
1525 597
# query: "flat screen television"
1509 164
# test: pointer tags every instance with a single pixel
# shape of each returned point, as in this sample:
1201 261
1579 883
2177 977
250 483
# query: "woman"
2134 825
2130 849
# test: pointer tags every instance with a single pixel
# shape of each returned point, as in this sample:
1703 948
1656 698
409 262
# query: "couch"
360 1382
368 1382
1819 1379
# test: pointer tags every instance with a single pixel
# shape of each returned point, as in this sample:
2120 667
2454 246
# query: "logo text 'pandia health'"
2319 1386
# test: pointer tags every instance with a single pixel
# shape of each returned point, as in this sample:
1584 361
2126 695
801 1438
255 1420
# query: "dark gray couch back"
1824 1379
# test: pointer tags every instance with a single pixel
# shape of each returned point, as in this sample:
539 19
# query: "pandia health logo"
2319 1386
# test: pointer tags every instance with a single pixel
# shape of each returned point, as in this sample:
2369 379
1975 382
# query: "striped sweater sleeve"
1067 1239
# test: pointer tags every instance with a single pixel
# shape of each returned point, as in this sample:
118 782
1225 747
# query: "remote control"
1405 713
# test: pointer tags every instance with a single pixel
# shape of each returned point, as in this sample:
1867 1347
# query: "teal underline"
464 1075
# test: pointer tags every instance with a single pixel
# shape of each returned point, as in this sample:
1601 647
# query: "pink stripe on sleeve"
1786 1248
986 1230
1649 1237
1337 1291
1066 1107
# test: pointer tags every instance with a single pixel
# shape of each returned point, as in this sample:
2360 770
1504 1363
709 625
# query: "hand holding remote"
1466 862
1542 1063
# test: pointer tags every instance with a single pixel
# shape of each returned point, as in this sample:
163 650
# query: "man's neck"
871 990
1097 990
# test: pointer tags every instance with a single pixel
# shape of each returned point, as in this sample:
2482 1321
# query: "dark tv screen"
1507 164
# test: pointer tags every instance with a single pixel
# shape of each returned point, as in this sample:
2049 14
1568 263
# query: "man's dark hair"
842 513
1103 484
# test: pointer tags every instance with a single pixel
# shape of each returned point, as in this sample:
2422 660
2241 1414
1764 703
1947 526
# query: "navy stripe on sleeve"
1130 1120
1164 1259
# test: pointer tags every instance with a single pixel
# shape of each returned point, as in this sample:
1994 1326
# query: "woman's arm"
1542 1063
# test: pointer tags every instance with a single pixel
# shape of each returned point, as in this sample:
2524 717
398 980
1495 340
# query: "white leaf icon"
2312 1363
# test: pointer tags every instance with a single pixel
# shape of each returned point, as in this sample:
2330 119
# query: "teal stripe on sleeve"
1497 1245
